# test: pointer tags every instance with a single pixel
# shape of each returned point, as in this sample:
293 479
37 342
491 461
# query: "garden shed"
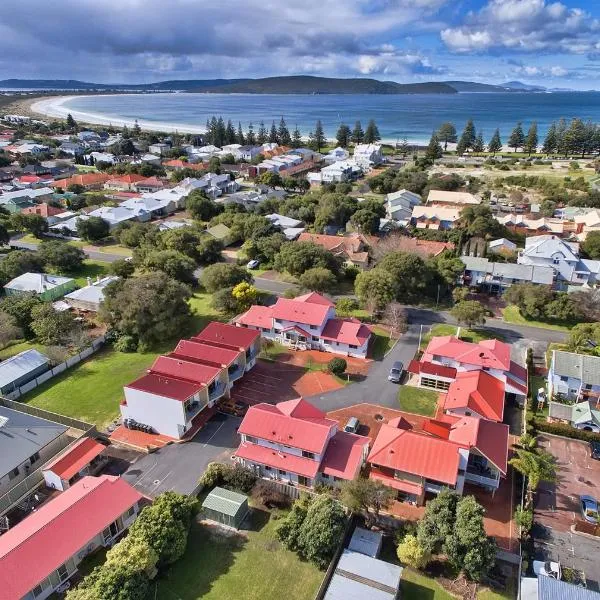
226 507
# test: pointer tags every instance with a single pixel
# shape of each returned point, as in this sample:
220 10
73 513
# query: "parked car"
589 509
547 568
595 449
253 264
352 425
396 372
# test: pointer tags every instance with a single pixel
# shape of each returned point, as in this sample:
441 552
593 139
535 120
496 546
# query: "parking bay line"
213 435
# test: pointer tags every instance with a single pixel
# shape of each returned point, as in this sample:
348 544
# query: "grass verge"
468 335
381 343
417 400
511 314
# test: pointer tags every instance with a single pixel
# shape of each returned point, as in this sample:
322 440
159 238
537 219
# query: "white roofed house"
291 228
155 206
91 296
47 287
443 197
336 154
502 245
367 156
399 205
435 217
114 215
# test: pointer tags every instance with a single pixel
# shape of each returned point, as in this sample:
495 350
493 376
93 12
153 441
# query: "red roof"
430 368
151 181
487 353
307 313
477 391
211 355
131 178
314 298
416 453
30 179
296 423
84 180
518 371
257 316
346 331
58 530
404 486
344 455
182 369
424 248
278 460
227 336
168 387
70 462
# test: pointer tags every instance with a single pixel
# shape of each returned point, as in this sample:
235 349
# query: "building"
399 205
159 148
575 377
21 369
295 443
72 148
352 249
586 223
336 155
434 217
43 551
548 588
501 246
563 257
44 209
225 507
446 198
532 226
308 322
47 287
339 172
115 215
91 296
151 204
149 185
422 248
16 201
89 181
80 459
367 156
124 183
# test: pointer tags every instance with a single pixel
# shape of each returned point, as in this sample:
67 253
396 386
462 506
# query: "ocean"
397 116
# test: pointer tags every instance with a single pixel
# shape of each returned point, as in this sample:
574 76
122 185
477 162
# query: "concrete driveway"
179 466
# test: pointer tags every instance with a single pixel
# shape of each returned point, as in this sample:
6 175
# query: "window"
34 457
281 472
468 413
564 378
38 589
303 480
63 573
250 439
130 512
325 476
315 338
267 468
14 473
588 386
353 346
310 455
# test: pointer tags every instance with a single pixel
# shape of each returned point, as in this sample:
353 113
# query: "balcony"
235 371
482 476
433 488
216 390
193 410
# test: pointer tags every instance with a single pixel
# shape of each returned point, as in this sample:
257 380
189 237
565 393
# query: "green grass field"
253 566
511 314
469 335
19 346
92 269
381 343
417 400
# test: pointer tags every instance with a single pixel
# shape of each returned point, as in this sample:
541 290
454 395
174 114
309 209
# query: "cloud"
534 71
538 26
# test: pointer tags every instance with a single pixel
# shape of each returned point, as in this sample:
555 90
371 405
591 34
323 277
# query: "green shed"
226 507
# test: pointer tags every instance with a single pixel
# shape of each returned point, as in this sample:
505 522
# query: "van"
352 425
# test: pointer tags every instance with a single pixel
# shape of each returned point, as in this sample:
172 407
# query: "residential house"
16 201
532 226
335 155
78 460
339 172
399 205
89 136
47 287
104 157
573 376
456 199
72 148
352 248
124 183
21 369
496 278
44 209
563 257
90 297
115 215
33 181
151 204
42 552
501 246
548 588
423 248
291 228
149 185
367 156
159 148
248 153
586 223
308 322
296 443
584 415
434 217
89 181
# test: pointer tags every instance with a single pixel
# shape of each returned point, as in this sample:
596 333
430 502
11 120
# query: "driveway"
178 467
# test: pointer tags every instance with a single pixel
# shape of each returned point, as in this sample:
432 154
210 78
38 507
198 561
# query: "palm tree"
528 442
536 466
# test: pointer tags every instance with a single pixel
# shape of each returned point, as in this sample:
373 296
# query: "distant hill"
75 85
523 87
471 86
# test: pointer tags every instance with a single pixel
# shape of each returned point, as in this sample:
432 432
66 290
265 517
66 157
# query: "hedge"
565 430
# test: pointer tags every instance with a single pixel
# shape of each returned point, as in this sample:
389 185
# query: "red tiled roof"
346 331
70 462
198 351
350 246
424 248
314 298
59 529
30 179
151 181
397 484
227 336
431 369
257 316
487 353
307 313
297 329
343 457
515 384
297 424
169 387
416 453
478 391
278 460
183 369
131 178
85 180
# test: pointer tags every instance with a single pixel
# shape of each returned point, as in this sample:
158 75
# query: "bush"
565 430
268 495
126 343
214 475
411 553
337 366
233 477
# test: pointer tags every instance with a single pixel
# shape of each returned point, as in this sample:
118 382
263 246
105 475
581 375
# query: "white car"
547 568
253 264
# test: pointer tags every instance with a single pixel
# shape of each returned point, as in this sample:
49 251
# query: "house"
434 217
563 257
532 226
339 172
548 588
501 246
89 181
115 215
104 157
447 356
44 209
586 223
47 287
296 443
34 181
335 155
78 460
367 156
89 136
575 377
21 369
496 278
222 233
225 507
291 228
352 248
72 148
124 183
149 185
159 148
247 153
446 198
308 322
42 552
148 203
90 297
399 205
423 248
16 201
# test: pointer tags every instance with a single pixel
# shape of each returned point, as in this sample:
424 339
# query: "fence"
73 360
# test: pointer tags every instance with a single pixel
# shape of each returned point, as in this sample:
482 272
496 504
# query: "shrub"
234 477
411 553
565 430
126 343
268 495
214 475
337 366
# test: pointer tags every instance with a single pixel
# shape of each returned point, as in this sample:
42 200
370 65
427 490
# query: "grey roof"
476 263
366 541
580 366
226 502
36 282
23 435
554 589
94 292
533 273
20 364
558 410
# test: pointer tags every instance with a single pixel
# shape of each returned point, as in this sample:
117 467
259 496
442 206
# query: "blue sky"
552 43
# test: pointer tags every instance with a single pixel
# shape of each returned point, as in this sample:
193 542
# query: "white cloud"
537 72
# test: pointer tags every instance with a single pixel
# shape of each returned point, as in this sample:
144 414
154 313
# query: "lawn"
511 314
19 346
417 400
253 565
270 349
381 343
468 335
202 311
91 269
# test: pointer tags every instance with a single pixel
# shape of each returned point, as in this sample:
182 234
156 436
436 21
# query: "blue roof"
553 589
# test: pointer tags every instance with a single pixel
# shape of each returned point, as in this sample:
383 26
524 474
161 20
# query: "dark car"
595 449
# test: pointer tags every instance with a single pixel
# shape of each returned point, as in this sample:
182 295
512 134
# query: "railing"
480 479
217 391
236 373
194 410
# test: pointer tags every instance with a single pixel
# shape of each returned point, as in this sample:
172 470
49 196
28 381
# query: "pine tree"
551 140
125 133
404 147
467 139
531 141
434 149
479 144
495 144
250 137
517 137
372 133
358 135
575 138
230 136
561 142
240 138
283 133
318 137
137 130
447 134
71 123
221 133
296 138
343 135
261 138
273 137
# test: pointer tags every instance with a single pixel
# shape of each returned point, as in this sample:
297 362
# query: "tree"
208 250
495 144
185 240
358 135
20 307
517 137
409 272
4 235
467 138
270 178
239 136
434 149
343 135
92 229
367 496
283 134
133 554
51 327
395 317
536 466
318 279
584 338
588 302
375 289
151 308
298 257
71 123
469 313
372 133
344 307
261 137
551 140
9 329
404 147
317 137
296 138
531 299
366 221
201 207
411 553
447 134
18 262
532 140
591 245
173 263
273 138
337 366
122 268
133 235
288 529
250 136
245 295
223 275
437 523
35 224
479 144
61 256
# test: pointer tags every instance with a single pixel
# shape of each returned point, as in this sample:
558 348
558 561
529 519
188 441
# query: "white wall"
165 415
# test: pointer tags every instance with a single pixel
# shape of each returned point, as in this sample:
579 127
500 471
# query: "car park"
589 509
395 374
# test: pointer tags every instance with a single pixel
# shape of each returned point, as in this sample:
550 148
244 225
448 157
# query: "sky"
555 44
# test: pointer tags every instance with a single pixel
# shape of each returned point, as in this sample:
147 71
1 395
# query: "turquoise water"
411 116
